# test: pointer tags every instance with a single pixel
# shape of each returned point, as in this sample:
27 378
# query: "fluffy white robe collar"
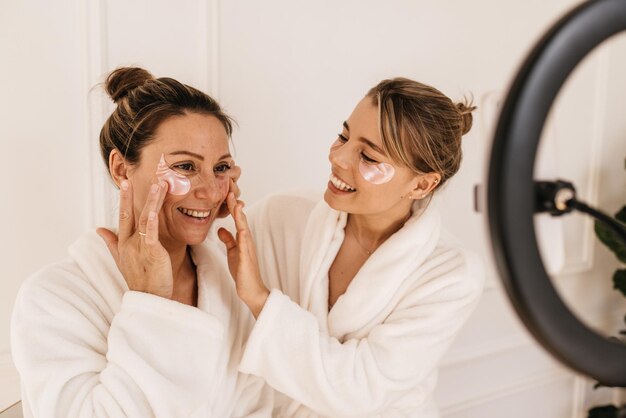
378 280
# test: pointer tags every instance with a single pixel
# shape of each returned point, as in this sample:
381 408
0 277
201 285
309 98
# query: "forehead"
198 133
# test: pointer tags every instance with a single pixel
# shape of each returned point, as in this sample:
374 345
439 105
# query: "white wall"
290 73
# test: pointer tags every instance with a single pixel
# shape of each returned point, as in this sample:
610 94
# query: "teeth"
195 213
340 184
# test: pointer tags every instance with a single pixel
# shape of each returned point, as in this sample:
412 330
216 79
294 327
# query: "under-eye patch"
376 173
178 183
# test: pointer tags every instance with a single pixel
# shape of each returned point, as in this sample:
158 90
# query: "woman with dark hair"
366 291
144 321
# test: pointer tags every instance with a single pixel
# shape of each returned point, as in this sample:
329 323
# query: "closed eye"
368 159
342 138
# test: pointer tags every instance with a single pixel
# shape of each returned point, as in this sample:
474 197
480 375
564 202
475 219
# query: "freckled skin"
203 135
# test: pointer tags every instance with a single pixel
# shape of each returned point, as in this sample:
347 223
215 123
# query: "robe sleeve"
360 376
256 399
156 358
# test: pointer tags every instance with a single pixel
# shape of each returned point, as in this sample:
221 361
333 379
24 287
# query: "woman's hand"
242 260
139 255
234 173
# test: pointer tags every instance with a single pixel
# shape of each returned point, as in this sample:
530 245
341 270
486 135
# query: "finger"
150 206
244 236
235 189
230 203
227 238
241 221
111 241
152 227
163 188
126 216
235 172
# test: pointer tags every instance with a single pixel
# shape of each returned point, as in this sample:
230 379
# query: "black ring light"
513 197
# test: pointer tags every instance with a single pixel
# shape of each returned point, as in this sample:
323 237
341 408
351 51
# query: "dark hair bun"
465 111
122 80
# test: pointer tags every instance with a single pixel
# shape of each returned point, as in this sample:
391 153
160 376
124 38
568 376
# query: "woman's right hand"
242 259
141 259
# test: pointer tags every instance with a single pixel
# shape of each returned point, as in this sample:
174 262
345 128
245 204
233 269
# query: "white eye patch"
178 184
376 173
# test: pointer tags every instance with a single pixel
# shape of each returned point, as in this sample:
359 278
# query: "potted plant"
618 247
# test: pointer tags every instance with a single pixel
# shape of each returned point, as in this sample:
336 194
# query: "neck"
372 230
180 259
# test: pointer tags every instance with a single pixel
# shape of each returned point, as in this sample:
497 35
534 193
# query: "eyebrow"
198 156
367 141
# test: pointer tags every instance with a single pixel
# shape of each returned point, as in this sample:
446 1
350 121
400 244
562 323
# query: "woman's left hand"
242 260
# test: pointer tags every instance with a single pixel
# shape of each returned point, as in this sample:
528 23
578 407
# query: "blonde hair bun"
465 111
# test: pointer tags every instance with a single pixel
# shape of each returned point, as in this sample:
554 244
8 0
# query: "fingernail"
124 185
154 188
152 215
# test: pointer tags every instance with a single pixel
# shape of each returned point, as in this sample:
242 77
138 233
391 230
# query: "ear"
118 167
425 184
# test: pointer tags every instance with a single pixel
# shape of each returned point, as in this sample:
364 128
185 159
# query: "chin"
191 236
332 201
196 239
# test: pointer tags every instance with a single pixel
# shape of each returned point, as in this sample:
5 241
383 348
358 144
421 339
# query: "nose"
211 187
339 156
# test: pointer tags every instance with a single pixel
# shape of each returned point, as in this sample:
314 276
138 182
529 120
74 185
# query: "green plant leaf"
610 239
605 411
621 215
619 281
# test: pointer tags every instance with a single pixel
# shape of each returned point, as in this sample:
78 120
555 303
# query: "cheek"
376 173
223 185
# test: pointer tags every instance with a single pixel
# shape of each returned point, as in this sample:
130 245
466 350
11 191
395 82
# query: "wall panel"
290 73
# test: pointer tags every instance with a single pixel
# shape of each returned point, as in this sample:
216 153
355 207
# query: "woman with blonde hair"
358 297
144 321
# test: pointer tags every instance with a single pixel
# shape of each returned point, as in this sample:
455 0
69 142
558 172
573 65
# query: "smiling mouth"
197 214
340 184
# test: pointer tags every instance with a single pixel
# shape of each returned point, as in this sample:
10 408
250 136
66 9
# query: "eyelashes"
189 168
222 168
368 159
184 167
343 139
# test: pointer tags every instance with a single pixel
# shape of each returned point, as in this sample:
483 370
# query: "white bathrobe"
86 346
376 352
